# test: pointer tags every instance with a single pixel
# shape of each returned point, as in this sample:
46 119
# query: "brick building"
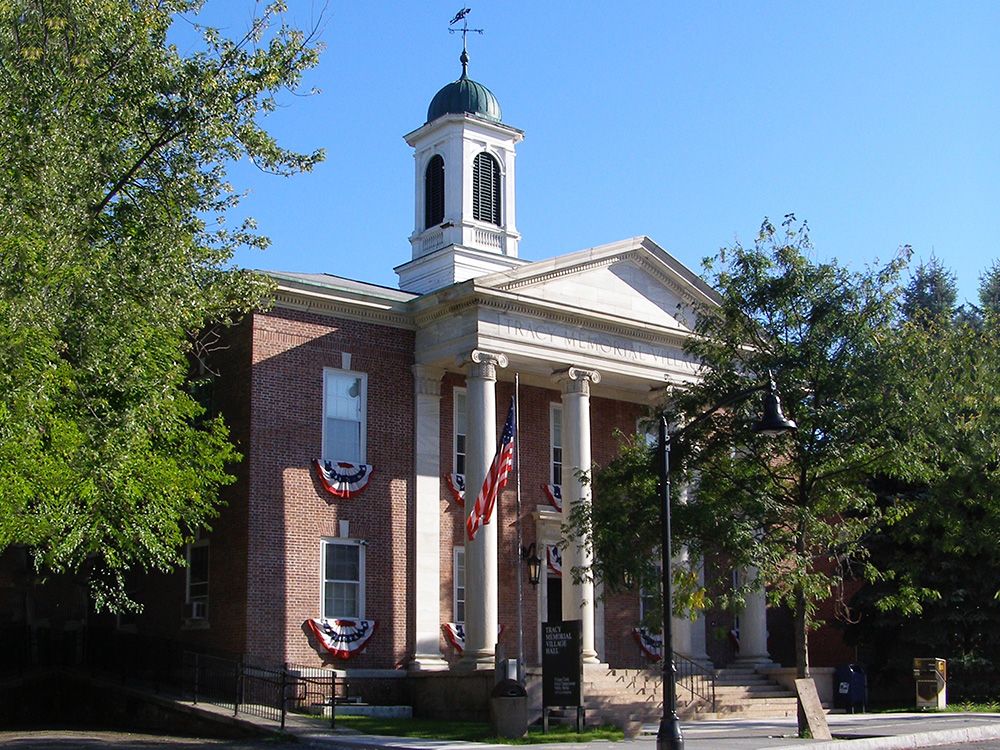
359 409
410 388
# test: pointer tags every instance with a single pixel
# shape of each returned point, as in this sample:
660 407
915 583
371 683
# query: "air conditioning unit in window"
195 610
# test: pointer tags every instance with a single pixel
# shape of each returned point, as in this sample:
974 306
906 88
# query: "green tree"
989 289
931 293
803 502
114 256
796 507
938 593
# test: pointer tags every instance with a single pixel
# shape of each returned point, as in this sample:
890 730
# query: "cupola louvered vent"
434 192
486 189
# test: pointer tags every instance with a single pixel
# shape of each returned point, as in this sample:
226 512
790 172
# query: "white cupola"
464 198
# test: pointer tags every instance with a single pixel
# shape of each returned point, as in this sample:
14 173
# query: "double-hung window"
461 422
344 416
647 603
343 580
555 432
196 600
459 584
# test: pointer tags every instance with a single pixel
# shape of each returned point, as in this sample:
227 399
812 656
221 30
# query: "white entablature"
623 309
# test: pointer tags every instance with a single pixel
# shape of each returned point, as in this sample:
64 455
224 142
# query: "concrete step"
626 696
752 691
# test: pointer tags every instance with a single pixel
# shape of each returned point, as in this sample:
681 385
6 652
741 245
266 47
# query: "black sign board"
562 663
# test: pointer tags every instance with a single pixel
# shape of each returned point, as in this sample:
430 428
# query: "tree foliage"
799 506
989 289
938 593
931 294
114 255
803 499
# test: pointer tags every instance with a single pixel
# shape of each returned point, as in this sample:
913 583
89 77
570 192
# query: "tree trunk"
801 650
801 636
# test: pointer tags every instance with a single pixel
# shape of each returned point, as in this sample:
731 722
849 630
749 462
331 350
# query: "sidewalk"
866 732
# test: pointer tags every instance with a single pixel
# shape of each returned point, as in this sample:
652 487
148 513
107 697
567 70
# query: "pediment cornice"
513 305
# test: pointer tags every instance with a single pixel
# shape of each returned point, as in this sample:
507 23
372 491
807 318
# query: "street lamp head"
772 421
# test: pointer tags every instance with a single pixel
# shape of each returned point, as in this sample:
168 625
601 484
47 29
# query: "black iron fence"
171 668
697 680
257 690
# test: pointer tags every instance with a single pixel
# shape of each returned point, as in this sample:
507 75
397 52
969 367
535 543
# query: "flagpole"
517 476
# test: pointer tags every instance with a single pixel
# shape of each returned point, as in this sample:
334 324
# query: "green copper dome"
464 96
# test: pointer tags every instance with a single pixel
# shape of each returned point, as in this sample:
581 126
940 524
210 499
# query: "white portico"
609 322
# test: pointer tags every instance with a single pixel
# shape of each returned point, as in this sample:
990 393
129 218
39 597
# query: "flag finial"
461 16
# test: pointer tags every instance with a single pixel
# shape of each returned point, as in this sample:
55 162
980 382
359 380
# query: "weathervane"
461 16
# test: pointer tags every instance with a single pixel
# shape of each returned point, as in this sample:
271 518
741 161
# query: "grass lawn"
470 731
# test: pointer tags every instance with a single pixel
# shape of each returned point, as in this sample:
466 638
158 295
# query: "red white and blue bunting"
554 555
553 492
343 638
650 643
343 479
455 633
456 483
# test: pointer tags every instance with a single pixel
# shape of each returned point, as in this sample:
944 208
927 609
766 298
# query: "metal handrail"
696 678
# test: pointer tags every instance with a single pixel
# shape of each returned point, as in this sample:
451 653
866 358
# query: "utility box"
850 688
931 676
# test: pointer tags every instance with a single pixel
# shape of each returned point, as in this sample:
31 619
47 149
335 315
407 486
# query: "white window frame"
329 374
556 442
650 431
458 585
198 603
460 430
325 544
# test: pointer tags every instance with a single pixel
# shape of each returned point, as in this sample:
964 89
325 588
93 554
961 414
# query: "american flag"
496 478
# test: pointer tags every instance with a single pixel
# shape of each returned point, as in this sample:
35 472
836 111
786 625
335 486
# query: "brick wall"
289 510
163 595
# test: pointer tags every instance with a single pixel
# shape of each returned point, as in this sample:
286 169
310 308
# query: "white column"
481 571
699 642
753 623
577 599
689 635
427 520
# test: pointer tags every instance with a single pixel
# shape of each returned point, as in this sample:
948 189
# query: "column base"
427 663
758 661
474 661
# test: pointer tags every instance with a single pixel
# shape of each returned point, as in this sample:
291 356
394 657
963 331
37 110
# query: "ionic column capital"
481 364
576 379
427 380
660 394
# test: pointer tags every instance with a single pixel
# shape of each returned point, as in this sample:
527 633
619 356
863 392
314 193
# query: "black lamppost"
772 422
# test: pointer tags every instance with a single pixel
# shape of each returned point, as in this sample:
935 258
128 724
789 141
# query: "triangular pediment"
633 280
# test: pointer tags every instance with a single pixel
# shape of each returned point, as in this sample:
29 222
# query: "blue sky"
878 122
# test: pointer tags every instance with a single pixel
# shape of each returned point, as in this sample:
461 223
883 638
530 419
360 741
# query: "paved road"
48 739
866 732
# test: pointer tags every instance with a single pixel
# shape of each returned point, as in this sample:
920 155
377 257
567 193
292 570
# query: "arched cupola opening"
434 192
486 189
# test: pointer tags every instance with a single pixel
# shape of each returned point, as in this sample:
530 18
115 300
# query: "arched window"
434 192
486 189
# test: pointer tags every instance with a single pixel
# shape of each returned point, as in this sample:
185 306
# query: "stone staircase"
741 692
631 697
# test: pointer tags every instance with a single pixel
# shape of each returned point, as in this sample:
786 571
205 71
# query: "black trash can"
850 688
